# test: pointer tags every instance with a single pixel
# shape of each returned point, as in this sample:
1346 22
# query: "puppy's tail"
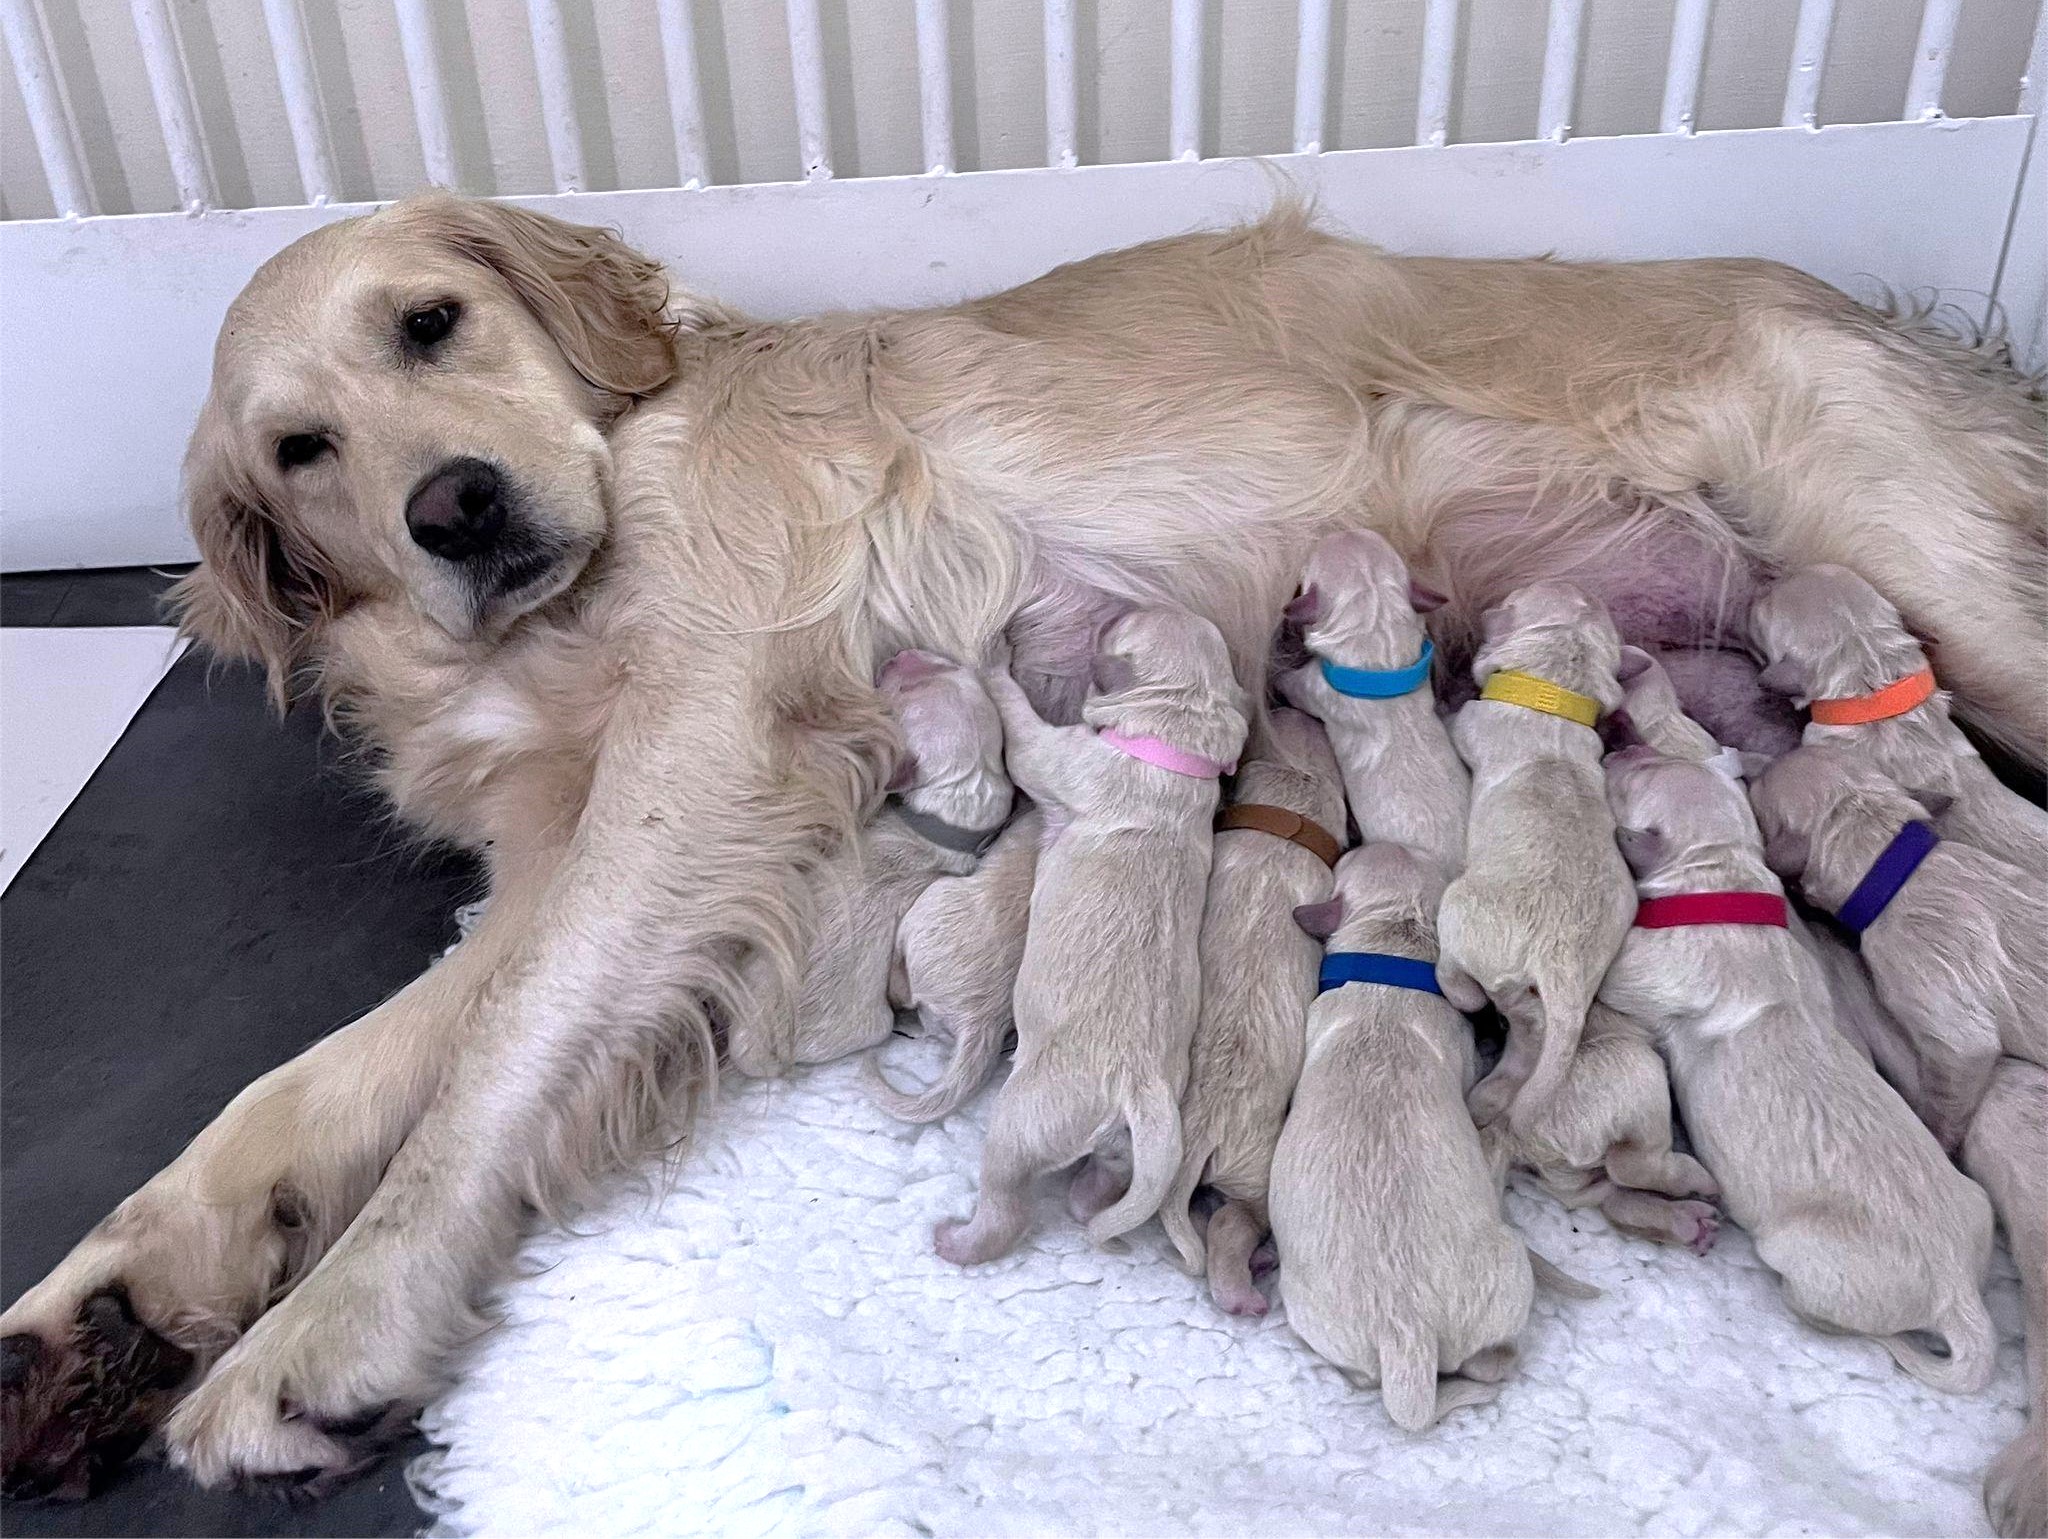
1563 1014
1550 1276
1415 1398
1154 1117
1174 1213
1972 1349
975 1051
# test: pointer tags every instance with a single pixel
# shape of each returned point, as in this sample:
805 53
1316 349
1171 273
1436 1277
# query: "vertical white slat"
1689 21
557 94
1930 58
48 120
1439 55
685 92
429 90
935 84
301 90
172 89
1184 133
807 73
1311 77
1560 69
2034 83
1062 93
1809 64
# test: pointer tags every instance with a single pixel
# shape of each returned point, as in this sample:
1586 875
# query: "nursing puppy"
1832 642
950 797
1545 899
1258 977
1369 686
961 945
1848 1198
1395 1262
1956 954
1110 983
2007 1151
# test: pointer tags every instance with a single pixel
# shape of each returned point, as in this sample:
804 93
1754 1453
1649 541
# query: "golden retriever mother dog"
603 571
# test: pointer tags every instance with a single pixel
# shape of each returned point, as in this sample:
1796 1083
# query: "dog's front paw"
270 1410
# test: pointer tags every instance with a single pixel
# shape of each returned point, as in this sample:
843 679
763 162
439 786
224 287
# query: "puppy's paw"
1695 1225
954 1242
1245 1301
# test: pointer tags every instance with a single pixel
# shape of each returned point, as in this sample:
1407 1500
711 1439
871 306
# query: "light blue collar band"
1380 683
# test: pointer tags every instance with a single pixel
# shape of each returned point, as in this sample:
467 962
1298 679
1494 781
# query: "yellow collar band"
1525 689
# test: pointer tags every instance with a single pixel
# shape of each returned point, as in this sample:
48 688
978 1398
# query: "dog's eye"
296 449
431 324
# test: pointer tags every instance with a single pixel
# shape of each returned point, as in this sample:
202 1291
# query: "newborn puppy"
1956 952
961 945
1544 900
2007 1150
1368 683
1838 648
950 798
1110 983
1849 1199
1258 976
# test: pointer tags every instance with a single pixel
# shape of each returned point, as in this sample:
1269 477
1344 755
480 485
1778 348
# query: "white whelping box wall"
107 319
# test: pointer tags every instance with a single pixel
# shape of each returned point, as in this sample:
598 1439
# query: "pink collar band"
1162 753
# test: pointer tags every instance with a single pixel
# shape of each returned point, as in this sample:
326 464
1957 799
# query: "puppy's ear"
906 774
1635 662
261 588
605 305
1936 803
1321 919
1787 852
1642 848
1305 608
1783 677
1423 599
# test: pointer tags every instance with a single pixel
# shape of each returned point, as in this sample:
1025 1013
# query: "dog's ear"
1305 608
1935 803
1642 848
1635 662
1787 851
1783 677
1321 919
1423 599
606 306
260 588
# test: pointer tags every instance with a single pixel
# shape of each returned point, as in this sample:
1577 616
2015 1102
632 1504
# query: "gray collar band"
947 836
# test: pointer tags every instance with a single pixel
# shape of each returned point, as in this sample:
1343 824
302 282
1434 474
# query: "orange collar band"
1895 699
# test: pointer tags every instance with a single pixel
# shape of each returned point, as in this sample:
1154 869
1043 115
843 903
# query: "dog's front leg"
99 1350
702 815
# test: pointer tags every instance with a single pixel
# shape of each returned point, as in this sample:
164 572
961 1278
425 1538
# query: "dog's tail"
1175 1215
1415 1398
975 1051
1562 1010
1153 1113
1550 1276
1972 1348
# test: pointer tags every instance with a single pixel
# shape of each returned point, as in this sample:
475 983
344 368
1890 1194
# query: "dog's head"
1812 792
1668 809
952 767
1356 588
1166 673
410 410
1557 632
1386 899
1824 632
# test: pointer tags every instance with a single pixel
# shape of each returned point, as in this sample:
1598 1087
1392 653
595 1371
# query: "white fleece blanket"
773 1348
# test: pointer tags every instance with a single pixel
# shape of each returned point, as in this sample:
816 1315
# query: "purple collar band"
1887 874
1168 757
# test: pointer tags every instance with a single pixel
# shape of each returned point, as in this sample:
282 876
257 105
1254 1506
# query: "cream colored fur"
657 741
1110 983
1258 977
1847 1197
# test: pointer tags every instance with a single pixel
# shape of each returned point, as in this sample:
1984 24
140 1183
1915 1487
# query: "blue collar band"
1380 683
1342 967
1887 874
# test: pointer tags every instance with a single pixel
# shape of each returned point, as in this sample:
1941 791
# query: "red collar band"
1690 908
1895 699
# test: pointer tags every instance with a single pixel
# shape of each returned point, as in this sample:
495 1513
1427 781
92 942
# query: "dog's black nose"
458 512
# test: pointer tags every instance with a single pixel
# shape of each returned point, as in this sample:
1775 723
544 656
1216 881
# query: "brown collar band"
1282 824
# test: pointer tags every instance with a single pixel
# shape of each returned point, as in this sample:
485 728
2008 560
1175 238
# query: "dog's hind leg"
1032 1130
1235 1230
